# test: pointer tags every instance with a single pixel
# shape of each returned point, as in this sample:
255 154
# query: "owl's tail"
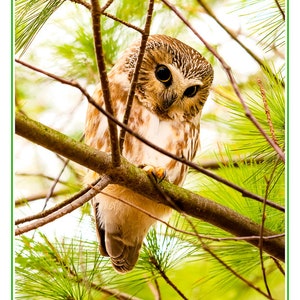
122 255
121 228
121 243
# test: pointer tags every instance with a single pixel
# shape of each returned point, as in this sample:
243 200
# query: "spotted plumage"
173 85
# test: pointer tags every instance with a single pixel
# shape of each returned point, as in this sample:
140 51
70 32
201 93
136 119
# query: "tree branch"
280 9
135 77
163 274
114 141
103 182
25 200
137 180
195 233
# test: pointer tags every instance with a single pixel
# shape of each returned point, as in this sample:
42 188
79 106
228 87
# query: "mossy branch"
134 178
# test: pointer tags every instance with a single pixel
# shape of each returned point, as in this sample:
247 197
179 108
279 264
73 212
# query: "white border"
294 160
6 254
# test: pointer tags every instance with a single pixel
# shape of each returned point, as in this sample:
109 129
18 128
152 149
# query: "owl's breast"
177 137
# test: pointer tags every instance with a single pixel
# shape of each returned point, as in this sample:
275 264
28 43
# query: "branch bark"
134 178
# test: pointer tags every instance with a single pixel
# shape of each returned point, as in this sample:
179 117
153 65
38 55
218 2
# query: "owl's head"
174 79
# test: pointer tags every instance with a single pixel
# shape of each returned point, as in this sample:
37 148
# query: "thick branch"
202 170
134 178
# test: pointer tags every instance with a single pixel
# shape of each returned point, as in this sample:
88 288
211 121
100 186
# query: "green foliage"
30 17
83 64
73 269
267 21
242 131
59 270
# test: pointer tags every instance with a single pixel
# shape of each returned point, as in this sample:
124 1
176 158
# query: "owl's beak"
168 101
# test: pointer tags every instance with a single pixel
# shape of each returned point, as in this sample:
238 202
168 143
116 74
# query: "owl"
173 85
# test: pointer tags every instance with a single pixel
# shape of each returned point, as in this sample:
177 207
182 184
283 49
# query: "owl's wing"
97 136
117 239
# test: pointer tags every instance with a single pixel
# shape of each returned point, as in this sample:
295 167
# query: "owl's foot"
158 173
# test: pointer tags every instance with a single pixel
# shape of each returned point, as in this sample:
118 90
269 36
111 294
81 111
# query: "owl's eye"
191 91
163 74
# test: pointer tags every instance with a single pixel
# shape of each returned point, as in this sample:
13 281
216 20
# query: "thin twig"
104 181
129 25
280 9
82 2
166 278
278 265
114 141
51 210
155 288
231 78
230 269
135 76
210 12
235 38
206 248
24 200
88 6
261 253
106 5
66 183
263 219
52 188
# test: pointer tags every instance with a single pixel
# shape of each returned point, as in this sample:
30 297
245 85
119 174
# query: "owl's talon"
158 173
